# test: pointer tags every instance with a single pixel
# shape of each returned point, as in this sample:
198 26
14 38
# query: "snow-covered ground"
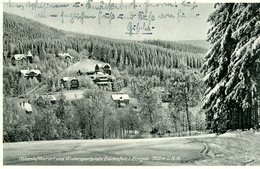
236 148
233 148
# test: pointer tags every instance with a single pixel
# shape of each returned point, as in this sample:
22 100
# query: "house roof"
48 97
36 71
99 73
24 72
19 56
120 96
65 55
103 65
107 65
26 106
27 71
68 78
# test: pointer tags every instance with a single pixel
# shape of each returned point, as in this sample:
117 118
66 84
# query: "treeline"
176 46
22 35
92 117
97 116
137 58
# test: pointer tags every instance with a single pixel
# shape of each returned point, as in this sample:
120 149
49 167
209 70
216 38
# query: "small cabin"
19 59
22 59
120 99
31 73
26 106
46 99
70 83
66 56
105 68
101 79
74 84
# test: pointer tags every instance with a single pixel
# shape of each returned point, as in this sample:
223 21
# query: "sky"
171 22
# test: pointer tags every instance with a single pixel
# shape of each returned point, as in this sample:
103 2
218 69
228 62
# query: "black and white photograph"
130 83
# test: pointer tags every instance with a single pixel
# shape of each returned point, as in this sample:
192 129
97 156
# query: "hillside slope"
22 35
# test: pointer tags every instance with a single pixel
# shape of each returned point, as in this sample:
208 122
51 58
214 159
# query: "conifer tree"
229 66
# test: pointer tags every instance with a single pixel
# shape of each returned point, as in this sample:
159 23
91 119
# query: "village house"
46 99
66 56
22 59
70 83
26 106
101 79
19 59
120 99
31 73
105 68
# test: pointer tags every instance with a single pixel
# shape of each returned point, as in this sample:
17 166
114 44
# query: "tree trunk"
241 119
176 127
256 114
187 113
103 128
183 123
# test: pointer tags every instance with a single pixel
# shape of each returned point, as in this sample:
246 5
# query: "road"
195 150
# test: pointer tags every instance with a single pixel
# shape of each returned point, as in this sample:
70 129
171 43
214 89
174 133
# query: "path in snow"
229 149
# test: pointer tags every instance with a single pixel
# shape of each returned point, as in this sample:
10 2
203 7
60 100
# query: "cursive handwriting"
137 17
143 28
81 16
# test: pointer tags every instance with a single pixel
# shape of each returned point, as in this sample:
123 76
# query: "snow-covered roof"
100 73
69 78
65 55
120 96
27 71
36 71
103 65
26 106
24 72
60 54
19 56
48 97
66 78
106 64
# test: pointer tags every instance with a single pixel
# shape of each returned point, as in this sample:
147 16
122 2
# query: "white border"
98 167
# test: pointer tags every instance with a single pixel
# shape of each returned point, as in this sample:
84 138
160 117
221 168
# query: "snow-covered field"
85 66
237 148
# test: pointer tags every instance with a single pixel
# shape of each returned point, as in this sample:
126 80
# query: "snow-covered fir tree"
230 67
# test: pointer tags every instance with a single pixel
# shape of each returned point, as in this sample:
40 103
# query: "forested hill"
19 28
22 35
185 46
140 68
